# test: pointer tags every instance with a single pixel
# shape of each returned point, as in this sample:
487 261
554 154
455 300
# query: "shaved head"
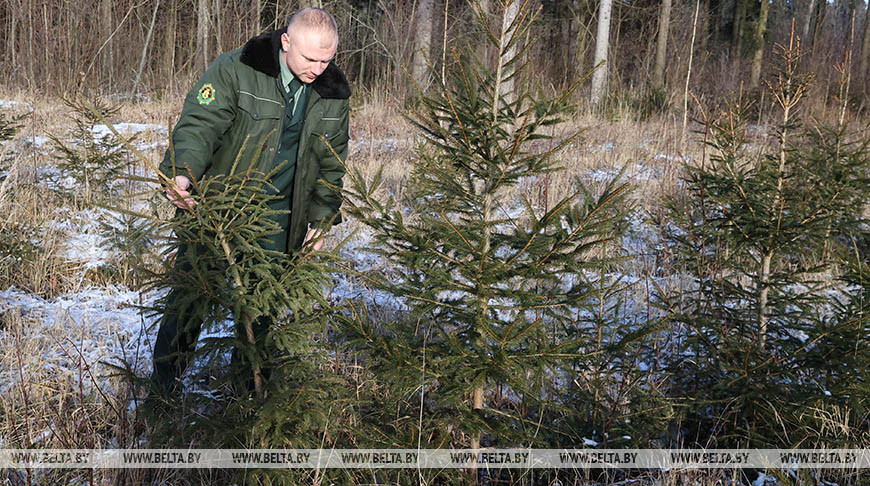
310 43
314 20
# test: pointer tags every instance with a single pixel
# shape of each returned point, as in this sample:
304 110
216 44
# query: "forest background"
711 185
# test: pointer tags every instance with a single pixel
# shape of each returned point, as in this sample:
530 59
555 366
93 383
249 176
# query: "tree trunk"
12 45
31 77
779 18
703 28
602 40
865 47
662 44
482 50
217 8
477 391
760 28
762 299
202 20
506 53
422 42
145 45
808 25
169 46
737 28
616 23
689 73
257 7
819 23
579 58
107 62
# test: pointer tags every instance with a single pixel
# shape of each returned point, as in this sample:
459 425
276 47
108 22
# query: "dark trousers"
178 333
176 343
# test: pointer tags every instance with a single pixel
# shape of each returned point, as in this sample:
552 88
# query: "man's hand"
181 186
313 235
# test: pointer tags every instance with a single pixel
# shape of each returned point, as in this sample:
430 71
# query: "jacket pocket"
258 107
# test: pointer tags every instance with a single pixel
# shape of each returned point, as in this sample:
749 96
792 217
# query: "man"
281 87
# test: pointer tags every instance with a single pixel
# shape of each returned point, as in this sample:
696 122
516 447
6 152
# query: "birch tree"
602 41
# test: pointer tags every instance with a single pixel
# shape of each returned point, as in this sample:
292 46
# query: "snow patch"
636 172
604 147
16 104
78 332
85 242
673 158
102 131
35 143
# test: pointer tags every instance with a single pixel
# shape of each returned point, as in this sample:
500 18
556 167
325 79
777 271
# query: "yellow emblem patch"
206 94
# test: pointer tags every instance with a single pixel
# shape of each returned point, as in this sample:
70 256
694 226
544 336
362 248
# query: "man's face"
307 52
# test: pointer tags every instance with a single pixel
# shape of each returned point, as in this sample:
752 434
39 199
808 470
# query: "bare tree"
257 7
107 61
422 42
579 30
808 23
602 41
736 28
865 46
760 29
169 43
217 8
11 36
662 43
145 45
703 27
814 21
202 21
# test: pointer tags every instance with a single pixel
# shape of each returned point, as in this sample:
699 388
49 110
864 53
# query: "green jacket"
238 96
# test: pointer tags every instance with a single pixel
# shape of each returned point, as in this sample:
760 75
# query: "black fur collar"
261 53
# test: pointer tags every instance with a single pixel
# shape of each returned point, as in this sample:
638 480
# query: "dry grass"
55 397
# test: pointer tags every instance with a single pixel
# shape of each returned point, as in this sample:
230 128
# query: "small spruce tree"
757 236
91 168
489 279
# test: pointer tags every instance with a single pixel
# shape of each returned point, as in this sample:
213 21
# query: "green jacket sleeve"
209 110
325 201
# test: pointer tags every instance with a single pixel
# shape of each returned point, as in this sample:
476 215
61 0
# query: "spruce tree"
759 234
91 168
489 279
214 251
